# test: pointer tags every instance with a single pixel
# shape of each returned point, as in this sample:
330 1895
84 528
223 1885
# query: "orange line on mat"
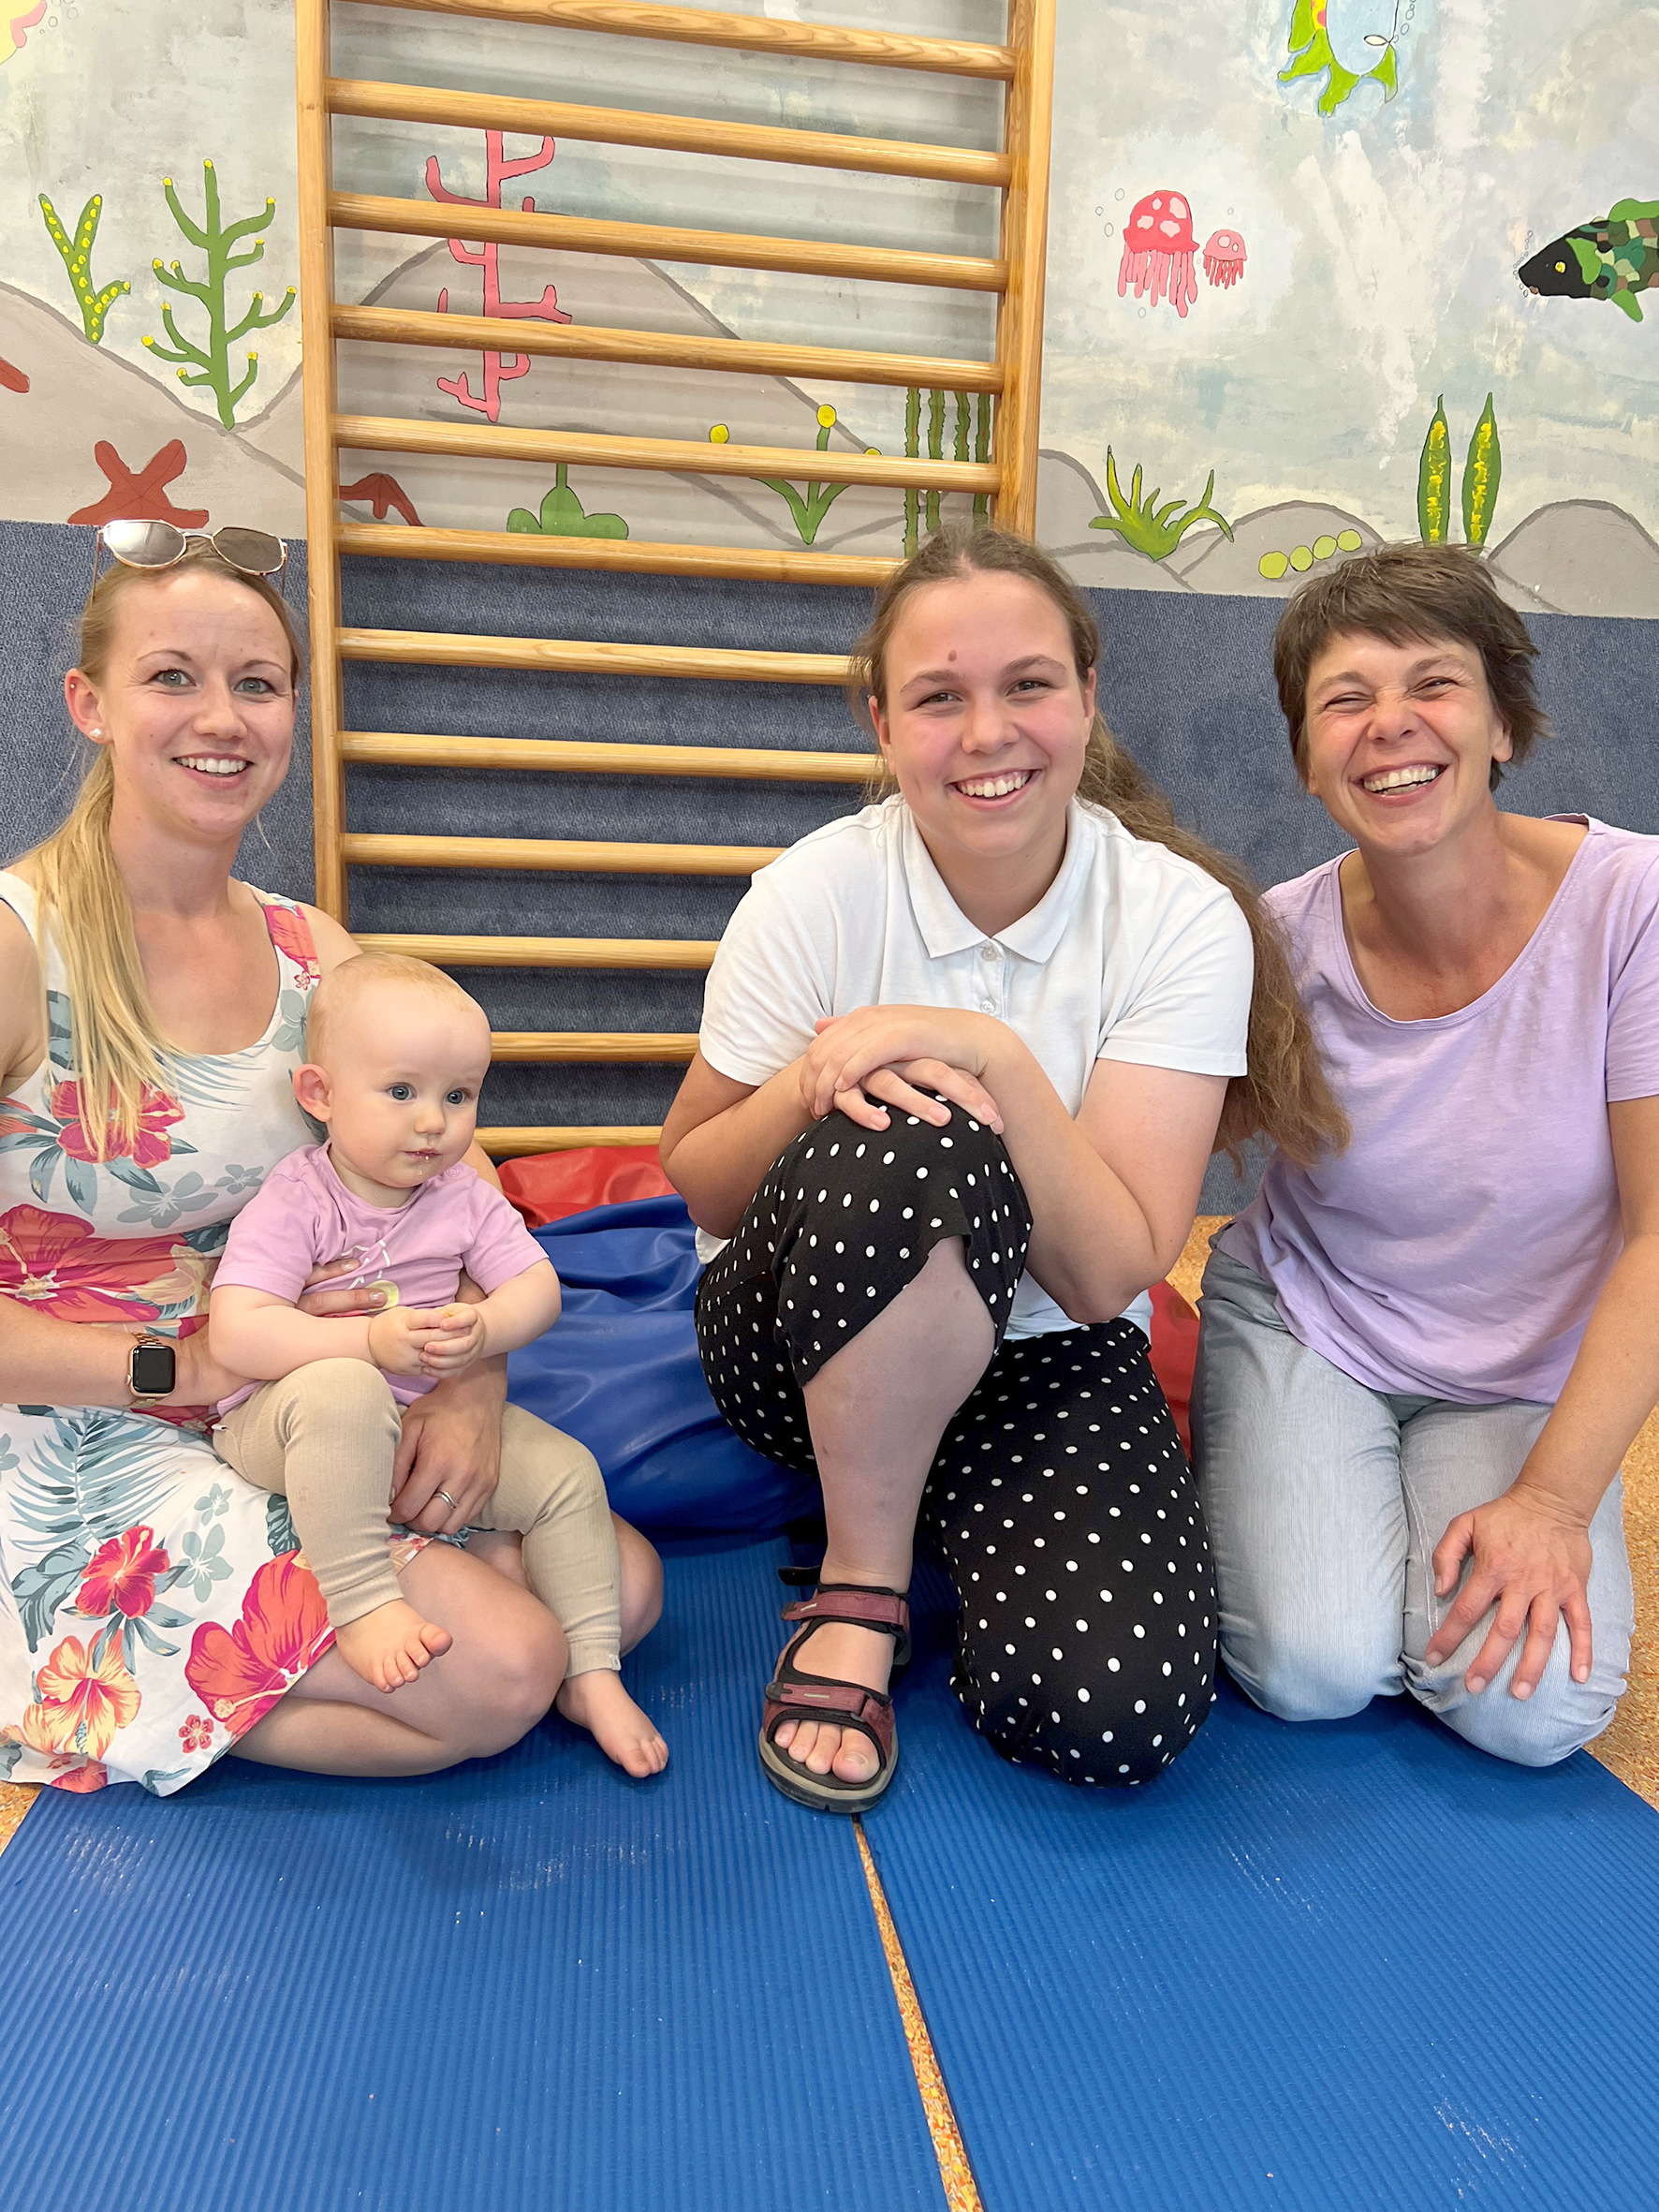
961 2192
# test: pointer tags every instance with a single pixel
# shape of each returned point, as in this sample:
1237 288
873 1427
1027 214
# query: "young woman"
1421 1363
152 1012
963 1060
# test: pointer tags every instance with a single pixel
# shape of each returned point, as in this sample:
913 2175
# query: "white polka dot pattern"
1060 1500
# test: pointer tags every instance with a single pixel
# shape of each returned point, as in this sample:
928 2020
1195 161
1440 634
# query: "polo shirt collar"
946 929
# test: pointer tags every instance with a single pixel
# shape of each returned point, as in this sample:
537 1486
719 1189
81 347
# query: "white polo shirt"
1133 953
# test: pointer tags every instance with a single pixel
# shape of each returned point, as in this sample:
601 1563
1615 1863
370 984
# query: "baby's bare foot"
389 1646
597 1702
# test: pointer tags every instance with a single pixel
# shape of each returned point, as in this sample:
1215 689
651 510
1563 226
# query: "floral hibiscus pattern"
120 1575
240 1673
149 1144
154 1605
56 1262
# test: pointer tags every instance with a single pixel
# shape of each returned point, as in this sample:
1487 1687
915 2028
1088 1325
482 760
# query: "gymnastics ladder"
1019 171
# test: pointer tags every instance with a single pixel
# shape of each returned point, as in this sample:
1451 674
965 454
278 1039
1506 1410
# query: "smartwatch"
152 1370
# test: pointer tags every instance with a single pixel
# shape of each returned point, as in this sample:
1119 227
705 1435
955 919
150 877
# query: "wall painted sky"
1381 240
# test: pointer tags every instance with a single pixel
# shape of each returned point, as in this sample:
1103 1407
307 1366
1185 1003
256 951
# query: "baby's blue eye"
455 1097
402 1092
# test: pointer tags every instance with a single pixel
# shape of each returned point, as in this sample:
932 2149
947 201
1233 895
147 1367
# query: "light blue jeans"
1324 1502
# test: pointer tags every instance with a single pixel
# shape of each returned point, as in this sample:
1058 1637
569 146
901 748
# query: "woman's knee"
1091 1722
641 1583
1298 1669
512 1658
1559 1717
524 1680
839 1176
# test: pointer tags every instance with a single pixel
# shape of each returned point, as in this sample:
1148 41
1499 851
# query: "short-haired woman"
963 1060
1422 1360
154 1614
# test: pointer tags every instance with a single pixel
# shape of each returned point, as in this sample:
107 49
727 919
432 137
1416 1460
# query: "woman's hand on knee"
862 1063
1531 1556
448 1461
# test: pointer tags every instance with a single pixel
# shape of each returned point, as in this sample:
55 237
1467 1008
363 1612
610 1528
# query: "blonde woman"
152 1612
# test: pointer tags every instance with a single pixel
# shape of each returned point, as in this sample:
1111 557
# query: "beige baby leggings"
325 1438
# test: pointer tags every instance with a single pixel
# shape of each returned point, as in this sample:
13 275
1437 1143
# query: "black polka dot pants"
1060 1503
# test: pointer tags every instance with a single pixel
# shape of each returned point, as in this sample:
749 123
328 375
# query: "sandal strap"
882 1611
842 1704
866 1608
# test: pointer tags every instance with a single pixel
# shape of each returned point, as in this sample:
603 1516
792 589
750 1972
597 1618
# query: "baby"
397 1053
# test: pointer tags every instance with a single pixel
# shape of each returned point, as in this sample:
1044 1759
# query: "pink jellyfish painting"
1158 250
1224 257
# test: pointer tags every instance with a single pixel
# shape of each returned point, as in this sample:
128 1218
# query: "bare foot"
846 1654
389 1646
597 1702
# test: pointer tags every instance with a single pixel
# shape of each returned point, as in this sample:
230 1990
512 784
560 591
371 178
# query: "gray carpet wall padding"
1186 683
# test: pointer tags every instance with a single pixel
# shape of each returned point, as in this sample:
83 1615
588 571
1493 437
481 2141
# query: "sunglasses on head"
158 545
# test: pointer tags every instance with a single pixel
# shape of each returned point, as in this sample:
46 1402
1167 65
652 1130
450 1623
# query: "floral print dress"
152 1605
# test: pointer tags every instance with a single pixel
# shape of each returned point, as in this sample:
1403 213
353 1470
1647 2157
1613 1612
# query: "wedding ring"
446 1499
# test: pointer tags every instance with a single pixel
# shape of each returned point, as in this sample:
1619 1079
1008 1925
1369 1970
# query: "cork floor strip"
962 2192
15 1801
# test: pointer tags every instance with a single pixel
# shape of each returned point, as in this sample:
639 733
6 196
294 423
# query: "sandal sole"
839 1797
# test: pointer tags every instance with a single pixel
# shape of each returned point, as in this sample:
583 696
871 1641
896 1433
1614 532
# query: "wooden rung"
412 326
609 952
360 849
675 134
443 649
390 748
661 242
529 549
488 441
749 33
510 1144
547 1047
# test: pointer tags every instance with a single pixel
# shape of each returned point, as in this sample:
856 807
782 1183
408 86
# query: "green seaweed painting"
561 515
971 435
1150 528
1311 54
1483 472
76 256
807 508
209 364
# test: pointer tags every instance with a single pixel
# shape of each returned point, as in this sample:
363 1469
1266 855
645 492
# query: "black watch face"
153 1367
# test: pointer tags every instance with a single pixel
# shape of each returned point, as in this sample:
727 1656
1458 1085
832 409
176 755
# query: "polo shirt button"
988 1006
987 951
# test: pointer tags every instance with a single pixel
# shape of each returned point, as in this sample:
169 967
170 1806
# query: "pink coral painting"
499 171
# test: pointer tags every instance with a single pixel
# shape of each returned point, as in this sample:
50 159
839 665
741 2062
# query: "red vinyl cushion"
550 1185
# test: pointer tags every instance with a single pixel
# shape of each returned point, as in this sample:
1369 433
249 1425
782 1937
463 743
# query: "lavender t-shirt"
304 1214
1456 1248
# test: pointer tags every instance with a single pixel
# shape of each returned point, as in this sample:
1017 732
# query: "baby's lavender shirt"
1456 1248
304 1214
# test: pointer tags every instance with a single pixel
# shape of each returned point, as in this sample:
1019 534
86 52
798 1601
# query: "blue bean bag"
620 1370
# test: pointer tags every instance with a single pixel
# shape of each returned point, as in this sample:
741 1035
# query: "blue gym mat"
531 1982
1346 1967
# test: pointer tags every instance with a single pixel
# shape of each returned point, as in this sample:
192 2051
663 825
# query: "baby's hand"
456 1342
398 1338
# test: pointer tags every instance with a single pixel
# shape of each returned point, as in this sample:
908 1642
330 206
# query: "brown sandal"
792 1695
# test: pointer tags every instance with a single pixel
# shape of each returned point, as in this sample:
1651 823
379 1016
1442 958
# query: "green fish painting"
1615 258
